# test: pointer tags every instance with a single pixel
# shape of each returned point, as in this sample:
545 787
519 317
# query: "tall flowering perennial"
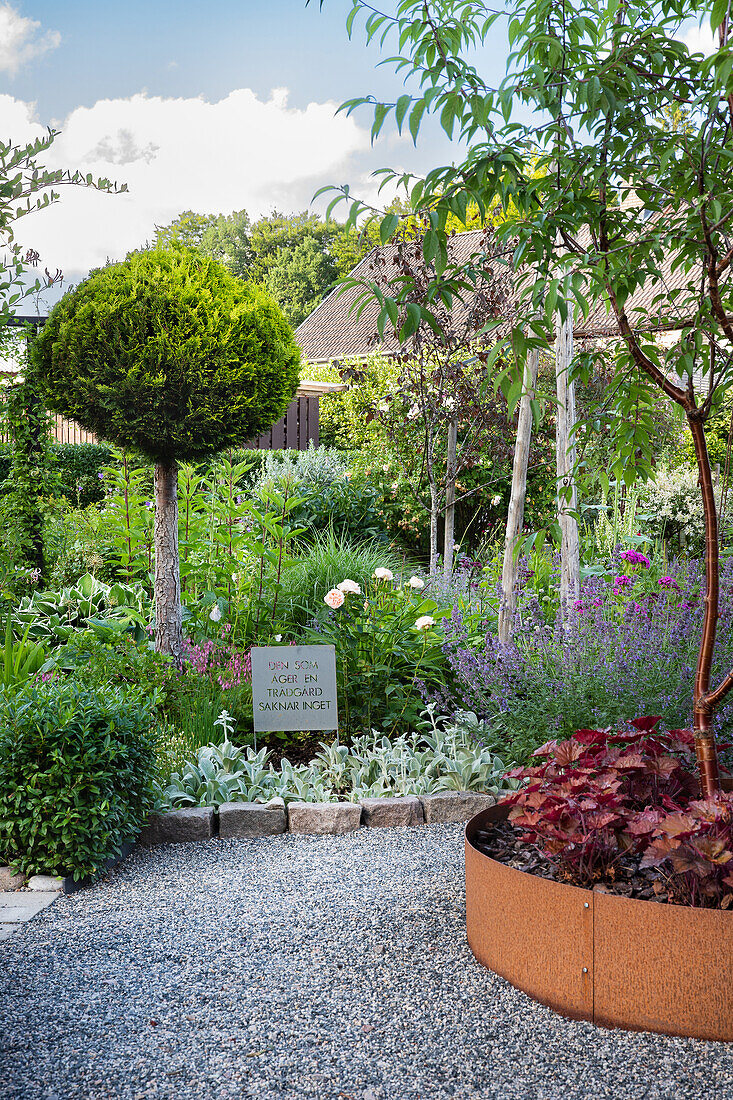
219 663
387 642
625 656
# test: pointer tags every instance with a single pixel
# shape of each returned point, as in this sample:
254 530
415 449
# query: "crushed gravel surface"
297 966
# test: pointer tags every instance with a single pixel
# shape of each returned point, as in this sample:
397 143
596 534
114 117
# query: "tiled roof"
332 331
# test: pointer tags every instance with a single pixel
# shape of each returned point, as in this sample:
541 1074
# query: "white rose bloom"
382 574
349 587
424 622
416 582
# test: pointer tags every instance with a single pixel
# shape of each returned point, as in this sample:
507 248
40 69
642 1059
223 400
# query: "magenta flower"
633 557
668 582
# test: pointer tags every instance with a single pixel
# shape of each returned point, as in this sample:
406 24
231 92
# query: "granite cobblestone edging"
251 820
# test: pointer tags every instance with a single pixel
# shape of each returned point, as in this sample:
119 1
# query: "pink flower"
334 598
633 557
668 582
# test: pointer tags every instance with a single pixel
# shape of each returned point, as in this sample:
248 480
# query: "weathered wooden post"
449 526
567 492
515 515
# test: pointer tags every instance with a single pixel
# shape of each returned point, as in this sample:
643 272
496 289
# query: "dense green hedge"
76 772
75 469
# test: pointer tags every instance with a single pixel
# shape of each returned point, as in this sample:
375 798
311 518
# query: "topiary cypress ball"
169 354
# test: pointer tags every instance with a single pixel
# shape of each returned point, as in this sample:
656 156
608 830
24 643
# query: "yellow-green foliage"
346 419
169 354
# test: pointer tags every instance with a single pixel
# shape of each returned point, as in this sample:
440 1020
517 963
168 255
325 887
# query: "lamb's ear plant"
446 758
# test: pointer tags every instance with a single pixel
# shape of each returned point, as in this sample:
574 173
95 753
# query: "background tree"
441 386
623 203
170 355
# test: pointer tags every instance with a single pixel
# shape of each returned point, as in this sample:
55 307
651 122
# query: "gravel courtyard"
327 967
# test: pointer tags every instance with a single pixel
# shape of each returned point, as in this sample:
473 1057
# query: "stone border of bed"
251 820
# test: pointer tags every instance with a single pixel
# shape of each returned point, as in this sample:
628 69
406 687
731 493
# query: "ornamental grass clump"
605 806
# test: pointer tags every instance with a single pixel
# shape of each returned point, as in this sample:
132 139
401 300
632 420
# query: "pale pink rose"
349 588
382 574
424 622
416 582
334 598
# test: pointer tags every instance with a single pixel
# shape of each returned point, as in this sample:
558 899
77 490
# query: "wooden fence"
297 428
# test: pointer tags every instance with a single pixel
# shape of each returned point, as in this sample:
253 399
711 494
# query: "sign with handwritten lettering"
294 687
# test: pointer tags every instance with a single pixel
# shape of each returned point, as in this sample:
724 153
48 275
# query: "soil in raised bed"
503 843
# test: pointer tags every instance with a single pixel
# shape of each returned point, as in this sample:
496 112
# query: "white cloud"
20 41
180 154
700 39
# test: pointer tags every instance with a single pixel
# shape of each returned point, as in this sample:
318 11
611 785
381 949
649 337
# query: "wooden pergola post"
567 492
449 527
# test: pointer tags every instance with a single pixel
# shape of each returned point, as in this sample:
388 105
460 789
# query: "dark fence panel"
297 428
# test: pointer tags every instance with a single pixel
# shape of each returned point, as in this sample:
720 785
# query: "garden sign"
294 687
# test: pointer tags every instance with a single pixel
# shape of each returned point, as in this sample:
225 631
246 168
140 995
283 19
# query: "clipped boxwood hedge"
76 776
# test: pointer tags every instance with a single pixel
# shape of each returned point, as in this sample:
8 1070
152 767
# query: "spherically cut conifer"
169 355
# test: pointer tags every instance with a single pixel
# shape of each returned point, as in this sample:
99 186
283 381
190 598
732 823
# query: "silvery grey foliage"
314 468
448 756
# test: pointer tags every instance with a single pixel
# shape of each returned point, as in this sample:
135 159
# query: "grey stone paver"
6 930
18 906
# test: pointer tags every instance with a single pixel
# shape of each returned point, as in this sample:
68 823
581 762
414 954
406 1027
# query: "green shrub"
122 663
168 353
77 467
76 775
331 497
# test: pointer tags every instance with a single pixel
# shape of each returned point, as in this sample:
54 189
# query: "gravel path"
327 967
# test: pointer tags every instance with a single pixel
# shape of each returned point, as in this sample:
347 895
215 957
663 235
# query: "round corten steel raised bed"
615 961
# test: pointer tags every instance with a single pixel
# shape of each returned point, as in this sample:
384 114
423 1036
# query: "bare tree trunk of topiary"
168 628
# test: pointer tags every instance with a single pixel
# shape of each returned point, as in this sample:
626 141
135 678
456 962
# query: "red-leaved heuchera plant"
604 797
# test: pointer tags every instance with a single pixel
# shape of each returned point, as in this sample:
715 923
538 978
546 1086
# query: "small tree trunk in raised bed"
168 626
705 700
515 515
567 493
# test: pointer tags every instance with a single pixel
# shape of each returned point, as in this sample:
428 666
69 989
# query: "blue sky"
189 48
211 107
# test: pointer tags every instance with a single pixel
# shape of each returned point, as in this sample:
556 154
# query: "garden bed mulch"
504 844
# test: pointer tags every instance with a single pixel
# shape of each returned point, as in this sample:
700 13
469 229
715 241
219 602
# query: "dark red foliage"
607 794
